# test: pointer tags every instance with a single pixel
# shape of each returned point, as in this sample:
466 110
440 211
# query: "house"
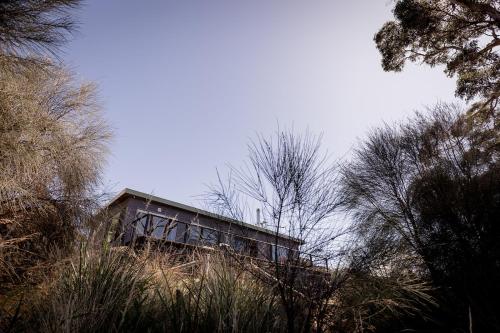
139 217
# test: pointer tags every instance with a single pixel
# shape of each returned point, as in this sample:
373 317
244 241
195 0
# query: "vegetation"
294 184
429 189
53 140
117 291
462 35
430 186
31 29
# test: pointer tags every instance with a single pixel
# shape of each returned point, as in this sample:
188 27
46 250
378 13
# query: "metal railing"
171 230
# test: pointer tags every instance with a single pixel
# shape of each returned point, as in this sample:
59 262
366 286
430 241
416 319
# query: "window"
239 244
171 230
282 253
141 224
253 248
225 238
194 233
158 225
155 226
209 236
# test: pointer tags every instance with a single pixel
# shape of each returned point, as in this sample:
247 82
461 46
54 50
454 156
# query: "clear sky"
186 83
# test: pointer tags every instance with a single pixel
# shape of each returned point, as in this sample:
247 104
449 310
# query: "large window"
158 225
282 253
209 236
194 233
171 231
141 224
205 235
253 248
239 244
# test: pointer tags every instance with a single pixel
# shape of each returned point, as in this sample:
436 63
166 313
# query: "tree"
52 144
53 139
462 35
430 188
294 185
30 29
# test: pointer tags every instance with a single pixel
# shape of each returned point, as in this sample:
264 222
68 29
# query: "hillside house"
140 217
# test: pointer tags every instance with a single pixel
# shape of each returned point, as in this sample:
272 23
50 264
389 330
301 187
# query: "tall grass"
219 298
117 291
94 292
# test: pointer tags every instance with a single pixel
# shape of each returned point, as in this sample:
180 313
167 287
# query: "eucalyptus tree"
461 35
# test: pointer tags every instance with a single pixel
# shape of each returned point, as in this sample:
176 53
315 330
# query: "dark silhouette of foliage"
294 183
33 28
431 188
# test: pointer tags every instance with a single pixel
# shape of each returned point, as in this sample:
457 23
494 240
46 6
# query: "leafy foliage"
462 35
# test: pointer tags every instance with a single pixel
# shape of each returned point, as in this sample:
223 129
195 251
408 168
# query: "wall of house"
131 206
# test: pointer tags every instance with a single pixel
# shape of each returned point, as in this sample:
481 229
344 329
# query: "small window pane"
194 233
158 227
141 224
171 231
209 236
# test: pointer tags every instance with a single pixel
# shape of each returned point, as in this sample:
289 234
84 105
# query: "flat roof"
150 197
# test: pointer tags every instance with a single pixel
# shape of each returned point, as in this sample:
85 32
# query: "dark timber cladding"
140 215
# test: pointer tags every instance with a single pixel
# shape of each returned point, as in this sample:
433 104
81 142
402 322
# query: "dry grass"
119 290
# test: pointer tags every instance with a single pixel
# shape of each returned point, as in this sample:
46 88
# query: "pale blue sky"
185 83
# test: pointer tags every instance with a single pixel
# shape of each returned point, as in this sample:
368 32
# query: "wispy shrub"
52 147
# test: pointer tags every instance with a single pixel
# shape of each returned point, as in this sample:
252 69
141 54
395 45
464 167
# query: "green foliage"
461 35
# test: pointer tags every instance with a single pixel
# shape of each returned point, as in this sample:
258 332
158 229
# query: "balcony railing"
173 231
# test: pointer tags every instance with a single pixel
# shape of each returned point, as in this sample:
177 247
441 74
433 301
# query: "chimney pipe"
258 216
